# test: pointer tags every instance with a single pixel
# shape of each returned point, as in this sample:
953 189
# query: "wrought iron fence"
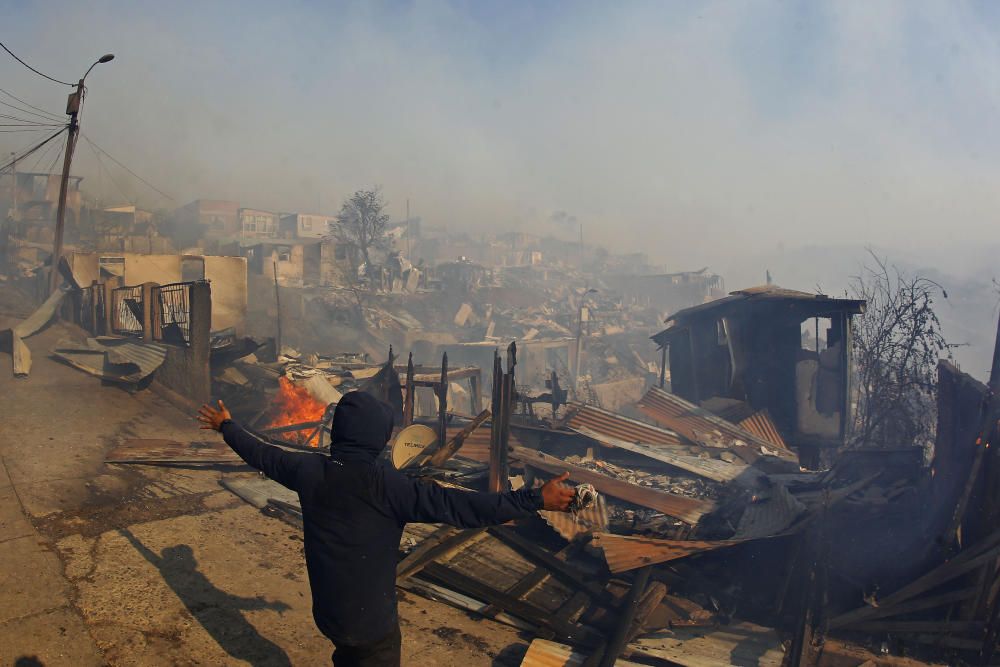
101 311
127 308
92 315
171 313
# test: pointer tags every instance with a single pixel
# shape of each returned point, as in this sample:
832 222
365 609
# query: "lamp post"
73 106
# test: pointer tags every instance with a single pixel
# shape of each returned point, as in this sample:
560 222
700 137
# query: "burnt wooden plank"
438 544
568 632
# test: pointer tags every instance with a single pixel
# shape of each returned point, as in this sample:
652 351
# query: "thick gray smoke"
709 134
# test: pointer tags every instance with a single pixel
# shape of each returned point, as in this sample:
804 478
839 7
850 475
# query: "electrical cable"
32 149
43 156
137 176
55 158
14 56
23 121
28 104
47 119
107 171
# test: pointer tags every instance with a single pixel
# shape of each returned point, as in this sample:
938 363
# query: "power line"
32 149
137 176
107 171
25 121
55 158
30 113
14 56
44 155
28 104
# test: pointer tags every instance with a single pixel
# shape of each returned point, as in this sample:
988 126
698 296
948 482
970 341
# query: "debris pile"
666 565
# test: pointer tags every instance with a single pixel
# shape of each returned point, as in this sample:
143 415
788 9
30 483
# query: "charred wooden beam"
568 632
453 445
627 614
410 389
440 543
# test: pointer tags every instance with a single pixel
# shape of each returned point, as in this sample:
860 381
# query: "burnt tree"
360 227
898 342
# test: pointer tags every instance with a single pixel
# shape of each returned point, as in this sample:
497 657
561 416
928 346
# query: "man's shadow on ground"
217 611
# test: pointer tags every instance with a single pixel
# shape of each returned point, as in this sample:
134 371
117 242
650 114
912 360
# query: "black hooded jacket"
354 508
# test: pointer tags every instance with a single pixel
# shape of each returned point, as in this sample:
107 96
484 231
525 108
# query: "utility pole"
73 110
13 186
408 229
73 106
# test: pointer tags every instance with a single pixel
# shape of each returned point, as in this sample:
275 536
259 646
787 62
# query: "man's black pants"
382 653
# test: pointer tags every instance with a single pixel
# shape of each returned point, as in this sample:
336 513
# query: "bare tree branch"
898 342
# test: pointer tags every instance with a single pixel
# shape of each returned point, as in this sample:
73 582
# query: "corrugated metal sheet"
700 425
769 516
38 319
739 644
545 653
573 524
477 445
761 425
717 471
625 553
623 428
116 359
689 510
171 451
258 490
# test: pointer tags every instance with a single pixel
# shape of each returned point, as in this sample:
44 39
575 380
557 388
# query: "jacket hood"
362 424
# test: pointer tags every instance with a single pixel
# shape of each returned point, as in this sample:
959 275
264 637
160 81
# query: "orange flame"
294 405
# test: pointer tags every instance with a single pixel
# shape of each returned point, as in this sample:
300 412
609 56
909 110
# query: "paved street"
152 566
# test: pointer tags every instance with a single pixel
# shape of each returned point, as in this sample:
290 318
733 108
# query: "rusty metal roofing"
761 425
628 552
477 444
545 653
808 303
700 425
573 524
713 469
689 510
622 428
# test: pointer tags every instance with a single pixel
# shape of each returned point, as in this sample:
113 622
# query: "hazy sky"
694 131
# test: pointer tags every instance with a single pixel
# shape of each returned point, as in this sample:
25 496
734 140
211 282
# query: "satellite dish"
411 442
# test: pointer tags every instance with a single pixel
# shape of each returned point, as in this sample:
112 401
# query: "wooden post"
989 429
497 403
451 448
509 396
277 307
626 616
663 366
475 398
443 401
410 388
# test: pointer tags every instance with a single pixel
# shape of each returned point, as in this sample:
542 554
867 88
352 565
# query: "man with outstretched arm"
354 508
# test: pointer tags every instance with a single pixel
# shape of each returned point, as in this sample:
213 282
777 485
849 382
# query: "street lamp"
73 106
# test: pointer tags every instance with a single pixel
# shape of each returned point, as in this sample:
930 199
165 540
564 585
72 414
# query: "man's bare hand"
556 496
212 418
